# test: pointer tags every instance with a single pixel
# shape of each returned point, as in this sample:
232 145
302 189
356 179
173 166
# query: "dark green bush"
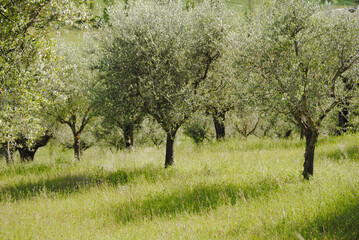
196 129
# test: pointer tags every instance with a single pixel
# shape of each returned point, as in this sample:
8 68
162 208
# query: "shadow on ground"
75 182
193 199
341 221
340 224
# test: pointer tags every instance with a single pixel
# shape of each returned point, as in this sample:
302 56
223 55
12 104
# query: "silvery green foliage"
26 54
21 100
70 85
162 56
150 133
198 127
69 88
295 54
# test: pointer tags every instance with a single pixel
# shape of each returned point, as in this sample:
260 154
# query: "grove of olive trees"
169 61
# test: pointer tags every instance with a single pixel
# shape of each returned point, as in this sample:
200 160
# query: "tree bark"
218 119
77 146
27 153
287 133
302 133
169 149
128 134
71 122
311 137
8 151
343 123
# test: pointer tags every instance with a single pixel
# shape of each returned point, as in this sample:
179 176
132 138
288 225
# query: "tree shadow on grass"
350 153
72 183
340 224
198 199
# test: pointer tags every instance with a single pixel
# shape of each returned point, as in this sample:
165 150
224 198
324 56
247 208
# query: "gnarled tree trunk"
71 122
311 137
169 148
27 153
218 119
128 134
343 118
77 146
302 133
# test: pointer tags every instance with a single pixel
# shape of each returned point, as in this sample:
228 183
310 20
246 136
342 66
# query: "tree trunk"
128 134
287 134
8 152
77 146
302 133
26 154
218 120
311 137
343 122
169 149
71 122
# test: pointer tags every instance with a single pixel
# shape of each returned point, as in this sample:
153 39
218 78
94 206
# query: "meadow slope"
234 189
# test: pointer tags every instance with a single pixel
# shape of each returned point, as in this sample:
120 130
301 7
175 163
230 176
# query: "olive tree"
225 98
68 92
161 56
122 110
298 57
25 51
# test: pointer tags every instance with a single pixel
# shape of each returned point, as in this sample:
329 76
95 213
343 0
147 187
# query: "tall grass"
220 190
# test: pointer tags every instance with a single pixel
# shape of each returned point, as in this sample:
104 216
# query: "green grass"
220 190
347 2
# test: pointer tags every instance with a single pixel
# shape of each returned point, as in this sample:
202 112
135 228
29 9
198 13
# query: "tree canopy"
160 56
295 54
25 53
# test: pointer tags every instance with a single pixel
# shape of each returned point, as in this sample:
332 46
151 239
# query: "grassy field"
221 190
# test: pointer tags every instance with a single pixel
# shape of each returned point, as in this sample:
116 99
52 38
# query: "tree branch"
85 120
326 111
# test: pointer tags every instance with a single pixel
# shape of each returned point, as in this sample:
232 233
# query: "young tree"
224 99
162 55
123 110
246 120
68 92
296 54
